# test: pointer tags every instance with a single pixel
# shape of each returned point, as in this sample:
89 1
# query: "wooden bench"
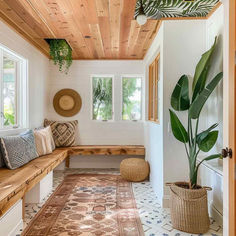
115 150
14 184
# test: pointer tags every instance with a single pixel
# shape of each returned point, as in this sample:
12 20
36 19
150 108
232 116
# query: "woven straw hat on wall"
67 102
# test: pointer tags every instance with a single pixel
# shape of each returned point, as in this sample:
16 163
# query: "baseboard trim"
215 214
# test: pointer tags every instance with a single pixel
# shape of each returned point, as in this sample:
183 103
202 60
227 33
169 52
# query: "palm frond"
157 9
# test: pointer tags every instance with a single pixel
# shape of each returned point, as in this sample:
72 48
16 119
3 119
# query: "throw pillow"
43 141
18 150
51 137
2 163
64 133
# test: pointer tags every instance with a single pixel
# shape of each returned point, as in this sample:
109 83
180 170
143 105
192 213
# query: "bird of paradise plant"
193 140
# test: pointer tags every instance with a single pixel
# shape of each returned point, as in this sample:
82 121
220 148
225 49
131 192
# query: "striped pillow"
64 132
43 141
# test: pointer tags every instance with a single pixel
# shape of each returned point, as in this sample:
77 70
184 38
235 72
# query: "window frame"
91 89
21 90
153 87
141 102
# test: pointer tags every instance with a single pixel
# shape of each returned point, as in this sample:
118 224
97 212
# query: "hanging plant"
61 54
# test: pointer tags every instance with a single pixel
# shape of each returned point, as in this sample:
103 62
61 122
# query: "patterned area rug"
89 205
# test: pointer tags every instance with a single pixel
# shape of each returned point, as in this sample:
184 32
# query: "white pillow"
43 141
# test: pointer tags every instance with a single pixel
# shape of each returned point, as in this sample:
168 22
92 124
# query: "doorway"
229 119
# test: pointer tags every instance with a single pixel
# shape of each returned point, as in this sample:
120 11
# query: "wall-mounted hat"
67 102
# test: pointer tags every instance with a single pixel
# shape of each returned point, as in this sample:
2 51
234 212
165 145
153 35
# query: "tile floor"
156 220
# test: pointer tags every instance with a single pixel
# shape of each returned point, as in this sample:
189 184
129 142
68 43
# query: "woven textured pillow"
43 141
64 133
18 150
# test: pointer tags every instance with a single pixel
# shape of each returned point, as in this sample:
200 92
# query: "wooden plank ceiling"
95 29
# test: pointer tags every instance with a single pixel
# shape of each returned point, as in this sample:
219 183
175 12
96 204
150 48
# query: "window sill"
118 121
11 131
132 121
215 164
157 122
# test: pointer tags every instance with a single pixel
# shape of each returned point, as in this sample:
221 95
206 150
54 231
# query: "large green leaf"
200 85
215 156
198 103
208 142
211 157
180 96
202 64
178 129
203 134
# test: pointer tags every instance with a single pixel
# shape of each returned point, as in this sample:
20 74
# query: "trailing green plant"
61 54
193 140
175 8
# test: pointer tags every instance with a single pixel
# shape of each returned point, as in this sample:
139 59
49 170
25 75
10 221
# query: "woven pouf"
134 169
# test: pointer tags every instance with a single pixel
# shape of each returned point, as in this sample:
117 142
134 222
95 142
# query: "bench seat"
15 183
137 150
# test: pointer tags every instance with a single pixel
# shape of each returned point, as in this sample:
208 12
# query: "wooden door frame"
229 119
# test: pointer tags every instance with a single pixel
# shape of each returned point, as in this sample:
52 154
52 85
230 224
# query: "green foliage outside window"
9 118
9 92
131 98
102 98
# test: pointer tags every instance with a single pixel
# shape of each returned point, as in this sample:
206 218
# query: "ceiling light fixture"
141 18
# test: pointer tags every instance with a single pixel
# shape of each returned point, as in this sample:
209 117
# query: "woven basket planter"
189 208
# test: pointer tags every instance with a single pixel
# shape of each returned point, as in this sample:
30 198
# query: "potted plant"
189 208
61 54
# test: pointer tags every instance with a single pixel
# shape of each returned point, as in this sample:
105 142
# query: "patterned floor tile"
156 220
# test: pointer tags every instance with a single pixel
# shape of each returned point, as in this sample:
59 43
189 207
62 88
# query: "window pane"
102 98
9 91
131 98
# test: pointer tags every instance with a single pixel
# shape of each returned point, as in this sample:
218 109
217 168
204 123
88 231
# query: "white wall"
214 107
181 44
79 79
184 42
213 113
38 72
153 131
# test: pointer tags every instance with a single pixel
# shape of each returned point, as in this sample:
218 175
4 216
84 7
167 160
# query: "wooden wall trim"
232 117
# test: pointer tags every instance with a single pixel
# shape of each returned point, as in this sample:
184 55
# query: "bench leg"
68 162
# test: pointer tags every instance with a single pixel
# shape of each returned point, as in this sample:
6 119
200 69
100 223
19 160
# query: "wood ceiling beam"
8 16
28 15
42 18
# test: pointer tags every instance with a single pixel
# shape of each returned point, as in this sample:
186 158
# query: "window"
102 98
12 90
153 114
132 98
